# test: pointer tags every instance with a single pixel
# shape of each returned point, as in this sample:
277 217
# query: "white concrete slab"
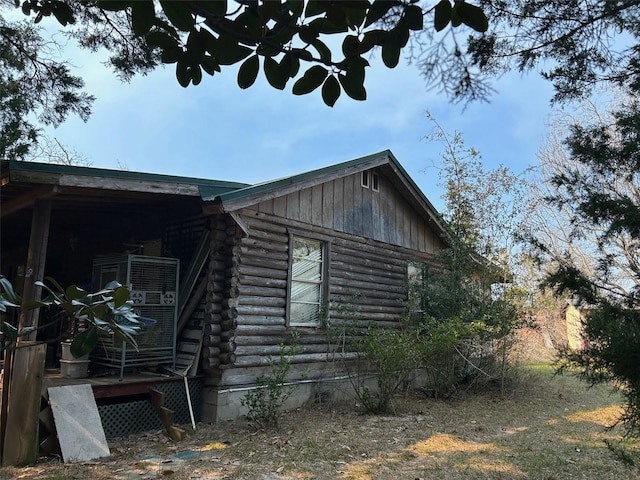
78 425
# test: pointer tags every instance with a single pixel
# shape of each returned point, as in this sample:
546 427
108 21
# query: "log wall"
247 295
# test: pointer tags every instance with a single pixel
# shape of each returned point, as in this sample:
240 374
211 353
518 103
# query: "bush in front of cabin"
391 355
265 402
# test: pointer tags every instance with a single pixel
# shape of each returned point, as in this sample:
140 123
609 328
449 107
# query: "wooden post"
26 369
36 260
21 434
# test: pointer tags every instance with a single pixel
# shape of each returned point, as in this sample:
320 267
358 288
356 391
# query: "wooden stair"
166 415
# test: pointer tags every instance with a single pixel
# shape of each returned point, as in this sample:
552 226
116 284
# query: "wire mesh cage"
153 282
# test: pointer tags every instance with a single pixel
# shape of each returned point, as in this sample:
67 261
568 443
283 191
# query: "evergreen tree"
601 188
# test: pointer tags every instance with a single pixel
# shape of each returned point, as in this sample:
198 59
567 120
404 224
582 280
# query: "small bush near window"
266 401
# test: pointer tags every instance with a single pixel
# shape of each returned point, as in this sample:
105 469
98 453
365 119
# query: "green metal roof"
276 184
281 182
206 187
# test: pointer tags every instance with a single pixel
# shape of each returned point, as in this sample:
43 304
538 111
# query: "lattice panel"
138 415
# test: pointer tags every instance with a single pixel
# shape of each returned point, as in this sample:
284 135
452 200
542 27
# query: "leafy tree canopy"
310 45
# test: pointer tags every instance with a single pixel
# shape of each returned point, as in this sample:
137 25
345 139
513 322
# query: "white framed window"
375 182
364 181
307 280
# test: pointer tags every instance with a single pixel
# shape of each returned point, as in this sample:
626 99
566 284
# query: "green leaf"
75 293
178 13
161 40
113 5
290 65
84 342
196 47
228 51
314 7
414 17
326 26
269 10
9 292
274 74
312 79
120 296
356 13
456 21
330 91
196 74
442 15
350 45
210 65
63 13
472 16
296 7
248 72
371 39
216 7
323 50
337 15
9 332
143 17
390 54
352 88
302 53
307 34
126 334
171 55
378 10
183 73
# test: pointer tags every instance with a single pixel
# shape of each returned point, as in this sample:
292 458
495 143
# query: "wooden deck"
109 386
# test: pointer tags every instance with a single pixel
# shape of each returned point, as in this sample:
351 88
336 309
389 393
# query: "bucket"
66 352
74 368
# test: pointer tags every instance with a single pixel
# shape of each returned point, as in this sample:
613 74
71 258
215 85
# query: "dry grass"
549 428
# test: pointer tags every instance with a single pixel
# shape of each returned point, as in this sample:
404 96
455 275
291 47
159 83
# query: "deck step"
166 415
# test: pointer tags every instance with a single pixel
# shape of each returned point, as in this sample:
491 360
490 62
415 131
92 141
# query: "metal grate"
154 289
135 414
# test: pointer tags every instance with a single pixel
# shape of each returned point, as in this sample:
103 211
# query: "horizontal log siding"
367 284
262 295
345 206
220 299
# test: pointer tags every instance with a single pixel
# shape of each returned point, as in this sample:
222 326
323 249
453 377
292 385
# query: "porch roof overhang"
79 195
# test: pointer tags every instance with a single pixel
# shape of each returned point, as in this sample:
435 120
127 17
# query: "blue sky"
216 130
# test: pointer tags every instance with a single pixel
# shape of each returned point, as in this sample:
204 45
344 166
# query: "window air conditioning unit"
153 282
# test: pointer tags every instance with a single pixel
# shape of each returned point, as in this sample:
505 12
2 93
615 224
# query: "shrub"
265 403
391 354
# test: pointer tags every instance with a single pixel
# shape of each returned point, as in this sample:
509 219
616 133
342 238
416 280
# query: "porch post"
24 367
36 260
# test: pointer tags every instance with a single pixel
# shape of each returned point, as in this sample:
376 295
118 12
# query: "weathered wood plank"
338 204
328 210
293 205
20 444
259 319
275 350
258 291
262 301
305 208
339 264
272 273
262 281
263 244
365 286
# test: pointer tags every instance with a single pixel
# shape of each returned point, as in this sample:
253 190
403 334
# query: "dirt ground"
549 428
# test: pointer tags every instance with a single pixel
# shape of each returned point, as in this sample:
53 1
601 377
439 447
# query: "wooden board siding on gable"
344 205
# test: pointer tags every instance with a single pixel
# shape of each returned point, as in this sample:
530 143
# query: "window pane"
304 313
305 292
306 282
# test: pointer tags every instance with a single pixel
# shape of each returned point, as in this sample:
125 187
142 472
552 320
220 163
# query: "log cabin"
229 271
